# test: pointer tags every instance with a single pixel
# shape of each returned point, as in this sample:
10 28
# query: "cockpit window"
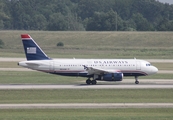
148 64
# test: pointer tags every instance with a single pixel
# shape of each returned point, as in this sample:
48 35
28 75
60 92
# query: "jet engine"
113 77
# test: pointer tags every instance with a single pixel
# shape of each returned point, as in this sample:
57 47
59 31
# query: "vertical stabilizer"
32 50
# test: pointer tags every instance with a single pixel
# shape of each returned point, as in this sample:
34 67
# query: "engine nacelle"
113 77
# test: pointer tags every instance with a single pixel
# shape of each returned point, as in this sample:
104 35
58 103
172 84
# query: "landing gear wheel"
94 82
136 82
88 81
136 78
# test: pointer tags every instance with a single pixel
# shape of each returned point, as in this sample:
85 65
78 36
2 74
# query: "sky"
166 1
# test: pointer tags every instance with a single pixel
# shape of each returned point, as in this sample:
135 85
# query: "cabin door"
138 65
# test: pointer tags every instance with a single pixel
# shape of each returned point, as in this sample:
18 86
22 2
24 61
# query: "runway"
86 105
146 86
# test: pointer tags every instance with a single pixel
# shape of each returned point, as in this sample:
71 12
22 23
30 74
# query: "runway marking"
146 86
86 105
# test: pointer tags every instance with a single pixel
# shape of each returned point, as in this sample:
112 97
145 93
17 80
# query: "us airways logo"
110 62
31 50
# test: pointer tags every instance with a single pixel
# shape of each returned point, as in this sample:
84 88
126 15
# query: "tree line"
86 15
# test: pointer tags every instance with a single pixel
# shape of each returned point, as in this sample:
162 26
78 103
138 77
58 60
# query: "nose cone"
154 70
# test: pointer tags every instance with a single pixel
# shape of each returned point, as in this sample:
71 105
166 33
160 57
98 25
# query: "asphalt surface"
11 87
86 105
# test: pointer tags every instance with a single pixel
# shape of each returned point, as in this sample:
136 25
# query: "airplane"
93 69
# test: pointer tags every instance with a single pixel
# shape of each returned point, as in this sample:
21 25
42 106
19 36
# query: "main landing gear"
93 82
136 80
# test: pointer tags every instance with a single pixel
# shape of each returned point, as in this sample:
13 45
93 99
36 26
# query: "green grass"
157 76
163 66
10 64
93 44
87 114
13 77
87 96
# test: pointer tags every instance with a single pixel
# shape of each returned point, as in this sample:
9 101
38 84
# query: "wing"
99 71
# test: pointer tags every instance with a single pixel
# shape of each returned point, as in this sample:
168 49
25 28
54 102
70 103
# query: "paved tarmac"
86 105
132 86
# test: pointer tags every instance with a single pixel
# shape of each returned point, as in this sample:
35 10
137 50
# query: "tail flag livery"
32 50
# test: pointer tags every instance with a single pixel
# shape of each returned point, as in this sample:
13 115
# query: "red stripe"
25 36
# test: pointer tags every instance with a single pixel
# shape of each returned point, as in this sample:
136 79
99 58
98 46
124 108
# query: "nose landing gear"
136 80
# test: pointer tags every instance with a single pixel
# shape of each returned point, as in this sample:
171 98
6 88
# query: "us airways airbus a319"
93 69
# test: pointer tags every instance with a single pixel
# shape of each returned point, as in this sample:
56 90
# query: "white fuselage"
75 67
